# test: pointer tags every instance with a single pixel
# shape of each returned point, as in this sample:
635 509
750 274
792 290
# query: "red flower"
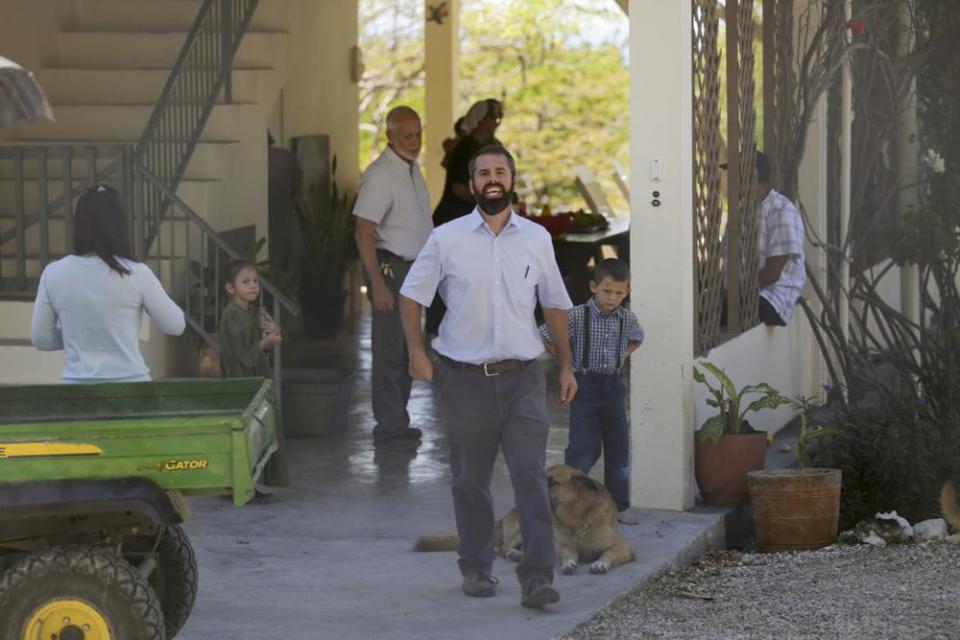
859 27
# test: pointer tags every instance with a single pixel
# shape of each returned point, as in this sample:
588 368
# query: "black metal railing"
201 72
37 187
189 257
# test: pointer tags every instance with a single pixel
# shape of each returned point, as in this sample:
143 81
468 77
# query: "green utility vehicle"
92 486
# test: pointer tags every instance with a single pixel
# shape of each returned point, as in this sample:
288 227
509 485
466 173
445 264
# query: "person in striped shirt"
602 336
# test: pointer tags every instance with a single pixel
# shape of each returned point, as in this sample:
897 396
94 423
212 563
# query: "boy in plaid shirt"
603 334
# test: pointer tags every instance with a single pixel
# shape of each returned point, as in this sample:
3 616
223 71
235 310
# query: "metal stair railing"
190 250
202 257
60 171
202 70
43 154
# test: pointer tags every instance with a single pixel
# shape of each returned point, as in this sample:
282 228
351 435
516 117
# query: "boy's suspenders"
585 351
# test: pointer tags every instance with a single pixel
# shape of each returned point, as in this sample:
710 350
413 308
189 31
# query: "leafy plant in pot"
326 221
727 447
799 507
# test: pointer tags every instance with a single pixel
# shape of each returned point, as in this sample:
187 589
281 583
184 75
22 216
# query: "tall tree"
559 65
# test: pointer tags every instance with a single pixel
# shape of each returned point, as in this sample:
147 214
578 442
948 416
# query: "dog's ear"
585 482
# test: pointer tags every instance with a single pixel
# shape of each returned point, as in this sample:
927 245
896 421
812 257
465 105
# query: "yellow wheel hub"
67 619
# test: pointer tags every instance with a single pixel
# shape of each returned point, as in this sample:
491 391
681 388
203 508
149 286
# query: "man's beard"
493 206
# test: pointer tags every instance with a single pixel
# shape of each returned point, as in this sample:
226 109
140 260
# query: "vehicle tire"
76 591
175 578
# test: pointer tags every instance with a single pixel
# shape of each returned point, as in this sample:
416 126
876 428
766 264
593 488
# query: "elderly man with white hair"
393 223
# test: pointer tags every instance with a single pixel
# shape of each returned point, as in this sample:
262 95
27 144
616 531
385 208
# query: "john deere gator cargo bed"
196 436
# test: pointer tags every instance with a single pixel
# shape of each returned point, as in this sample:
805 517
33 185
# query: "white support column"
812 184
442 64
908 157
813 189
661 249
846 155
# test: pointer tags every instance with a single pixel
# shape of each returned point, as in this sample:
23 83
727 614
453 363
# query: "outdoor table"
575 250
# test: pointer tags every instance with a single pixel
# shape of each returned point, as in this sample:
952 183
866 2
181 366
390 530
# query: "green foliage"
923 237
728 401
327 223
893 456
565 94
809 432
900 431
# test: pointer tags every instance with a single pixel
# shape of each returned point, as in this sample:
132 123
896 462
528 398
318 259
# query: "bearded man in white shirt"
491 268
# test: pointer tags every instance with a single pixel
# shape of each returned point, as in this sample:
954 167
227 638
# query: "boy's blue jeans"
598 423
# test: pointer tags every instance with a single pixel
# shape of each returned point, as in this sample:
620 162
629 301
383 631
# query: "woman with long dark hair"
90 304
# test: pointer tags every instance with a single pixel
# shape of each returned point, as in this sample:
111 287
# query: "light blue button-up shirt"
490 284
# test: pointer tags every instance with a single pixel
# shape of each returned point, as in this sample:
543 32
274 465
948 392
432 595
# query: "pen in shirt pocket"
526 272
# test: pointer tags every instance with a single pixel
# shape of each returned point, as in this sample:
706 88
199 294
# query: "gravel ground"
858 592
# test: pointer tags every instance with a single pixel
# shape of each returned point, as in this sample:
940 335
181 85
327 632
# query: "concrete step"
110 122
166 15
144 50
165 266
196 193
22 363
131 86
206 163
33 237
16 316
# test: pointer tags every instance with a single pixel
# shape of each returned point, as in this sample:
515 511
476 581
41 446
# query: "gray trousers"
483 414
390 379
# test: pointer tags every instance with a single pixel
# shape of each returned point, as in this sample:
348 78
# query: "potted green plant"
726 447
326 221
799 507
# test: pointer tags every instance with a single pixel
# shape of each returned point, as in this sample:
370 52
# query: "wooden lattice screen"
706 174
745 213
742 217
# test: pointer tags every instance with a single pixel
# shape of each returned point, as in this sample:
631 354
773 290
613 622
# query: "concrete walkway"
331 556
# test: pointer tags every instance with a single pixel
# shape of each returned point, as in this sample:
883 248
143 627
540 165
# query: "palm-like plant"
729 401
326 221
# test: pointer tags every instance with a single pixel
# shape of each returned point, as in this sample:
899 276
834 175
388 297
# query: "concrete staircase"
108 66
20 363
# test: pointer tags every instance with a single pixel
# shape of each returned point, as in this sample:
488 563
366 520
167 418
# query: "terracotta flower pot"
721 467
795 509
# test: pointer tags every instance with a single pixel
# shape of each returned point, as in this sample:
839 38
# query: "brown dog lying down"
584 525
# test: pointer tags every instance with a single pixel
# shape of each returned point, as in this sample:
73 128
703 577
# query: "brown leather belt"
487 368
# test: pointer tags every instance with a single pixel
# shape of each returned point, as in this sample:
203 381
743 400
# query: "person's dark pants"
391 381
598 423
483 414
769 315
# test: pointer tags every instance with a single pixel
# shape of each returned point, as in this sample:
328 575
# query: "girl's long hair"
100 227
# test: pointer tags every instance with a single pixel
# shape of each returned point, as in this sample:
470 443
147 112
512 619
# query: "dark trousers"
483 414
390 379
598 423
768 315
